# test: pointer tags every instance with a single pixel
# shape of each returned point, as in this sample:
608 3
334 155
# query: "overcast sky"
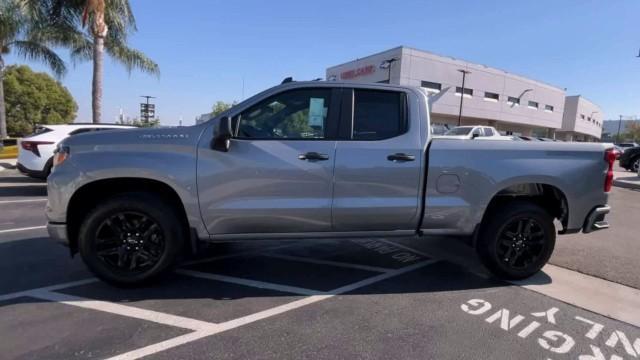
206 49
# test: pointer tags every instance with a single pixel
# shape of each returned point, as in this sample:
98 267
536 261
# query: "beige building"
582 120
511 103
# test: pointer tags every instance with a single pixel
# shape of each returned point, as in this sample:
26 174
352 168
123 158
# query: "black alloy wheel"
521 243
516 239
129 242
132 238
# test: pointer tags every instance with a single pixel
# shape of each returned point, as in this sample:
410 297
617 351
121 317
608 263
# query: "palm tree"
17 34
108 22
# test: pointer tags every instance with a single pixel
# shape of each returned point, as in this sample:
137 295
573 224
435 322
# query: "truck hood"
141 136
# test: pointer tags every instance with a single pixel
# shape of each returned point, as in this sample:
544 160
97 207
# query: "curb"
627 184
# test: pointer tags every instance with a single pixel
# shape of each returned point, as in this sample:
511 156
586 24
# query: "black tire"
505 247
109 245
635 164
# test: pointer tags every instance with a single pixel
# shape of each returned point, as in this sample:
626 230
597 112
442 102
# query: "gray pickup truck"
318 160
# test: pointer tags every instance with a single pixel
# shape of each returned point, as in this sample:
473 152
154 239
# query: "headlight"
60 155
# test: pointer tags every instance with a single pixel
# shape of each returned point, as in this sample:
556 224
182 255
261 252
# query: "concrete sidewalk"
626 179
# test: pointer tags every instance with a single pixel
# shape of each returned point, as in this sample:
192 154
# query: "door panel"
377 181
277 175
263 187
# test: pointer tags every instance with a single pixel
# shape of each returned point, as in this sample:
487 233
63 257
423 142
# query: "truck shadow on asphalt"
253 276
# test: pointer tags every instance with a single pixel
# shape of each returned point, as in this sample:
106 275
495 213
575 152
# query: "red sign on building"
362 71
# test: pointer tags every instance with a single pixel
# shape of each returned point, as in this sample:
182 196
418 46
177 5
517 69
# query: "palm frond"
36 51
81 52
11 22
131 58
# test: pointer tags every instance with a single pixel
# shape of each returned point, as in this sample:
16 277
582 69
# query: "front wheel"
130 239
516 240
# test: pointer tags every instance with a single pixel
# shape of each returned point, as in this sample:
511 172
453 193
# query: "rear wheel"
635 164
130 239
516 240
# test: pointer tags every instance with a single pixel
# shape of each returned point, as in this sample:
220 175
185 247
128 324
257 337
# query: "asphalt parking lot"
325 299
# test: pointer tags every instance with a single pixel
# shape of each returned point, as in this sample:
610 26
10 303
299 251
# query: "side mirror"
475 135
222 136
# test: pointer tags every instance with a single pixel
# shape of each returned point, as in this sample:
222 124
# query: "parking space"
325 299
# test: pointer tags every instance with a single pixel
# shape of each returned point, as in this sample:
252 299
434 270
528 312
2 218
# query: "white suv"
35 152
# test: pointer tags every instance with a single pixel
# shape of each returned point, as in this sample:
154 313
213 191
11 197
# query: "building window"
489 96
589 118
467 92
513 101
533 105
432 87
582 116
548 108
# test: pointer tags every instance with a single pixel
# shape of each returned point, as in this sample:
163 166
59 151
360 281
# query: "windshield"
462 130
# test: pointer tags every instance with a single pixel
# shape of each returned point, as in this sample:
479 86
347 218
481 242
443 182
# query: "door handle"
400 157
313 156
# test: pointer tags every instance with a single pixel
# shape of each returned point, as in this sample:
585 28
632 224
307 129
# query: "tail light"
610 158
33 146
60 155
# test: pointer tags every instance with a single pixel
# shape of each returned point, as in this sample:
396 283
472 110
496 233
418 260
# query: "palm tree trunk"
3 110
96 89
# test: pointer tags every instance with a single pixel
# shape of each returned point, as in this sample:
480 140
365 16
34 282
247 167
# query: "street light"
147 110
386 64
464 76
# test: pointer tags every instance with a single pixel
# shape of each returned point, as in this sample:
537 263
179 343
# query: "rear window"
86 130
39 130
378 115
462 130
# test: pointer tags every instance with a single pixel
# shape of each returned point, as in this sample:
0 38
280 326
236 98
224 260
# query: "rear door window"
378 115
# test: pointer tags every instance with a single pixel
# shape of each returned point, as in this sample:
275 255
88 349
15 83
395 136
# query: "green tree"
19 34
109 23
35 98
220 106
632 131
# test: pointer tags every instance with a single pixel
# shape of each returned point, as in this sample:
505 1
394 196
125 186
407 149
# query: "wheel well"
547 196
90 195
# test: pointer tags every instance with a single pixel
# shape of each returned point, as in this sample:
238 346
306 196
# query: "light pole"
386 64
619 124
146 108
464 76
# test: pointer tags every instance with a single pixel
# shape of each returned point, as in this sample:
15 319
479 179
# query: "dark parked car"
630 159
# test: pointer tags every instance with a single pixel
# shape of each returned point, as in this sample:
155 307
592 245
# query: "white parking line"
23 229
123 310
329 262
22 201
232 324
405 248
161 346
47 288
246 282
